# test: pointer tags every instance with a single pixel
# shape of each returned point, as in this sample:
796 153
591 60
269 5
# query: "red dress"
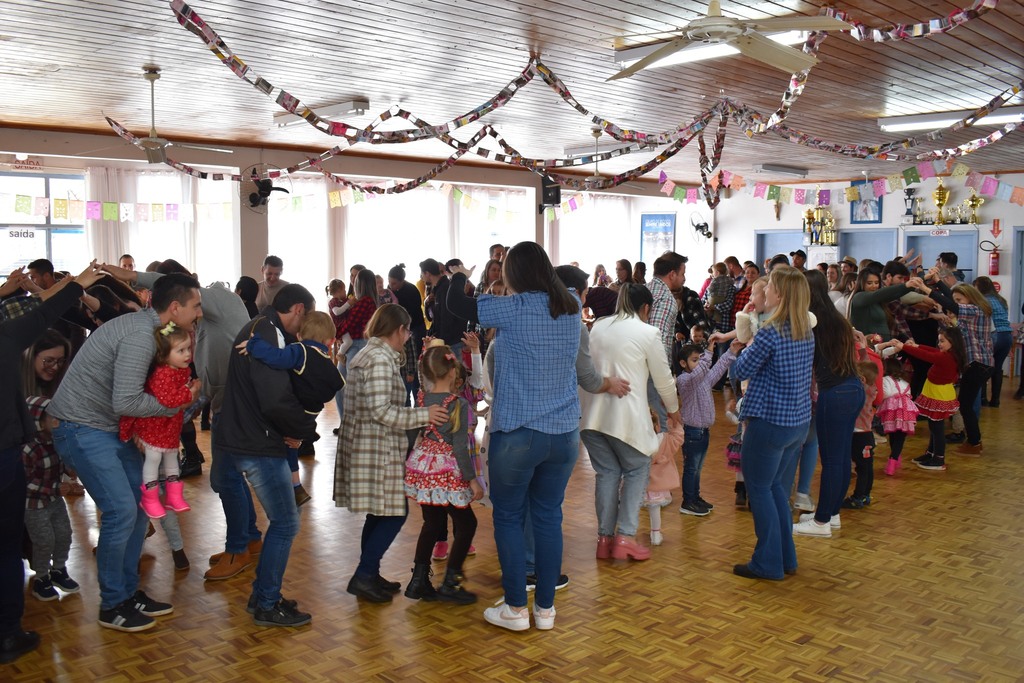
167 385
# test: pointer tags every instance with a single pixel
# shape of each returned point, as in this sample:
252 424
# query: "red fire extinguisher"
993 262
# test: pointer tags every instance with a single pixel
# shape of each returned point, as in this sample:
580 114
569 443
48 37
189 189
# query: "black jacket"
16 335
260 408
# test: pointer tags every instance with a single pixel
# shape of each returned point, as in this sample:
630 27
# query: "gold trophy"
940 195
972 203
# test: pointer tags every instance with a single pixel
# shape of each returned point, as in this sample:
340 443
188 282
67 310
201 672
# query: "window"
297 224
26 237
600 232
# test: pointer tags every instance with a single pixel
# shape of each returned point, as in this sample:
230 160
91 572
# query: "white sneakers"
506 617
803 502
656 538
808 527
544 619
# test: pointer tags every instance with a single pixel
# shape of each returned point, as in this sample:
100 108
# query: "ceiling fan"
153 145
746 36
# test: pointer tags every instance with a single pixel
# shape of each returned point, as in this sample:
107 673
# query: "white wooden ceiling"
64 64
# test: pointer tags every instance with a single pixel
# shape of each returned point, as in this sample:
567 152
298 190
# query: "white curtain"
106 239
599 232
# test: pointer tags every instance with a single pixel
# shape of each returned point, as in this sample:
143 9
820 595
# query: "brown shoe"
255 548
301 496
969 449
230 565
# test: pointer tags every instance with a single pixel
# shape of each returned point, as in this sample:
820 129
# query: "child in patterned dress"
440 477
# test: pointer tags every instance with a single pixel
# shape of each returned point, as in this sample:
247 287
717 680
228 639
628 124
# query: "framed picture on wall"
865 211
657 235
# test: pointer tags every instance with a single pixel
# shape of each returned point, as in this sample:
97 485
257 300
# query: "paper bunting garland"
752 121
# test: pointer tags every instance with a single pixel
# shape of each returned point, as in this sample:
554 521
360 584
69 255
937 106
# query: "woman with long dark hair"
534 426
840 399
1002 336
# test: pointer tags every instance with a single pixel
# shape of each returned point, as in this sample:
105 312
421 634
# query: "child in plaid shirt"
46 515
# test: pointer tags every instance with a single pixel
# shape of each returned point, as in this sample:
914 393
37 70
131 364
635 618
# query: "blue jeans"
235 498
836 415
529 465
111 472
768 451
272 481
622 475
1002 342
379 532
695 447
654 401
339 398
807 461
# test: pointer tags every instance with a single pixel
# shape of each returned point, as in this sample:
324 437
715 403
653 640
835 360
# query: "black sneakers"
150 607
694 508
43 590
284 613
125 617
250 607
531 582
932 463
17 644
60 579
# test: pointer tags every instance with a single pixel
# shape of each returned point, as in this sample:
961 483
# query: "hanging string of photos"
750 120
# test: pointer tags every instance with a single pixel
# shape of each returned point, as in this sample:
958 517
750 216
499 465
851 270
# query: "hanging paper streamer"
1004 192
76 210
773 193
110 211
171 212
760 189
41 207
911 175
926 170
23 204
141 212
988 186
824 197
127 212
157 213
895 182
60 208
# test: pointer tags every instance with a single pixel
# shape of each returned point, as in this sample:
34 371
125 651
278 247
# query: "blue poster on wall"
657 235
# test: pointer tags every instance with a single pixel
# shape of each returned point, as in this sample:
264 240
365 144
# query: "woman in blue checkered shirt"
777 410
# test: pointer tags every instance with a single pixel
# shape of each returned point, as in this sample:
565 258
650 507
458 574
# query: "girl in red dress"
170 382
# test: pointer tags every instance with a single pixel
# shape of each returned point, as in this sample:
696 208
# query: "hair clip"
167 329
450 356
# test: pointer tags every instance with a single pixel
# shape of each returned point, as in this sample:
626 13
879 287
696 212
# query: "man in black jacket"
260 419
445 325
16 427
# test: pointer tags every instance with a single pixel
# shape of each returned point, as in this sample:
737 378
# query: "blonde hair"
317 326
868 371
794 302
435 364
974 296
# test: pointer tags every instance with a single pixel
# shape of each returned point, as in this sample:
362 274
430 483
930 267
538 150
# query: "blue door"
772 242
878 244
962 243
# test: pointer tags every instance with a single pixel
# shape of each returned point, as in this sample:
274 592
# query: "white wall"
739 216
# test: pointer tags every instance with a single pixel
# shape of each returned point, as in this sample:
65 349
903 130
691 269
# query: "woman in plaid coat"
372 446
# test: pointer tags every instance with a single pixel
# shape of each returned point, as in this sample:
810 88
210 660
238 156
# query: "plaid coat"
372 444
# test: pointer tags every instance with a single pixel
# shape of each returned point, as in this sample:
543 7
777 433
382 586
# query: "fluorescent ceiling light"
697 51
353 107
779 169
582 150
942 119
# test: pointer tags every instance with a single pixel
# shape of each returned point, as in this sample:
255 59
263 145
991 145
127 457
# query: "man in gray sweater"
104 382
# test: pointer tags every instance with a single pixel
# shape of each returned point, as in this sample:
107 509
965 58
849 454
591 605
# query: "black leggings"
937 438
435 518
862 452
896 441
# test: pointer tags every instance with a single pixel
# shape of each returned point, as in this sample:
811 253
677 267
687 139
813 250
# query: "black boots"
451 589
419 587
741 494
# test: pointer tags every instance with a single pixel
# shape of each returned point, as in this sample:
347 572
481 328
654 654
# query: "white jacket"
631 349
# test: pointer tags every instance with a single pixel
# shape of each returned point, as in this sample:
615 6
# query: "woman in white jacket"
618 433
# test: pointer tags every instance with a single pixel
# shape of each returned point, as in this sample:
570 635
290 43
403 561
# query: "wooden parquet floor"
925 585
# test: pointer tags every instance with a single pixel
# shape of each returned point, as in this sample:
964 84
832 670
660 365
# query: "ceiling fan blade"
798 23
664 51
782 57
204 148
